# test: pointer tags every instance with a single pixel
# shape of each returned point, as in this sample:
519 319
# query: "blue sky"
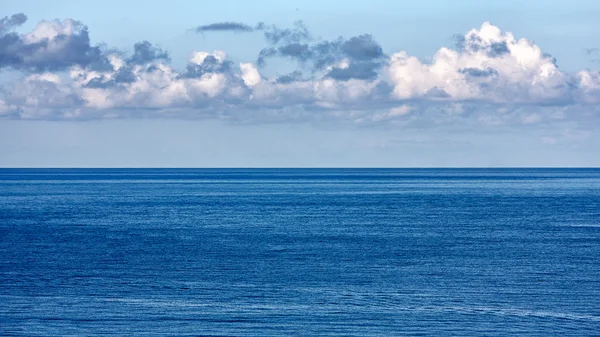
319 83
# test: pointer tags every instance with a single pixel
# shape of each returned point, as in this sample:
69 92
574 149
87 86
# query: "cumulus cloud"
490 65
206 81
489 78
250 74
589 86
52 45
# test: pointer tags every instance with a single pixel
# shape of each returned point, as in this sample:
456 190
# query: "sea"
300 252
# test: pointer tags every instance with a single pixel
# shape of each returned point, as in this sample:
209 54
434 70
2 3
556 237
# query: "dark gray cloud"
60 52
144 52
475 44
265 54
63 50
275 35
479 72
210 65
296 51
364 54
498 49
356 70
9 45
290 78
299 51
15 20
225 27
123 76
326 53
362 48
75 50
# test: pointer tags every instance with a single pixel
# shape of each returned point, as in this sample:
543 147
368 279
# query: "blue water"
365 252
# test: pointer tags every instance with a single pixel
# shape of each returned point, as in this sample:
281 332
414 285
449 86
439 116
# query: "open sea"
302 252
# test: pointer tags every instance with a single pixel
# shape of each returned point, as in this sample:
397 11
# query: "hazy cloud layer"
489 77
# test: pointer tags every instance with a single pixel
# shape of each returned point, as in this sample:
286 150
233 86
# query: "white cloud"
50 29
489 80
492 66
198 57
589 83
250 74
158 87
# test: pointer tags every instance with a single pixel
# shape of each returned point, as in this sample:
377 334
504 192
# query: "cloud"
144 52
208 81
15 20
357 49
356 70
250 74
359 57
362 48
489 78
289 78
225 27
203 63
589 86
490 66
275 35
479 72
51 46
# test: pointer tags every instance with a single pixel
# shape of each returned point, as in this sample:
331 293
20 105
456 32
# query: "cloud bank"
490 77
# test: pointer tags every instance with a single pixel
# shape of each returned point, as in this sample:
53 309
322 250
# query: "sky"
430 83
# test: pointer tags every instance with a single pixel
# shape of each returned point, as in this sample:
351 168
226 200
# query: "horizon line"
288 167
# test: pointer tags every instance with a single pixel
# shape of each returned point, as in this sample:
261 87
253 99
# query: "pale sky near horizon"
299 83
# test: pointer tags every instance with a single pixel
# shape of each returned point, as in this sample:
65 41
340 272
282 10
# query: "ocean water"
314 252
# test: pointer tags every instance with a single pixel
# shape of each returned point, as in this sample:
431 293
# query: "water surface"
278 252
